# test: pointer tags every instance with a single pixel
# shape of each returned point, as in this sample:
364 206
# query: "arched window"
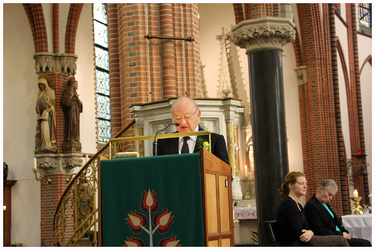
102 72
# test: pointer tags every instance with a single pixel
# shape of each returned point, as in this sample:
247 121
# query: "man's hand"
346 236
306 236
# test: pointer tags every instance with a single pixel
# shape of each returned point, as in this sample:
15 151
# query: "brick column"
114 69
56 165
167 52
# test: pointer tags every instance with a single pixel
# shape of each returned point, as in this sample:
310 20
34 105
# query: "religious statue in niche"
45 135
72 108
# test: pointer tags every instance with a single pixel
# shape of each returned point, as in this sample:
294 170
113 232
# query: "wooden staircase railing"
77 211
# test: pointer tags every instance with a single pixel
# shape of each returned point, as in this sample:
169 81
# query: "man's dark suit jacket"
218 147
320 220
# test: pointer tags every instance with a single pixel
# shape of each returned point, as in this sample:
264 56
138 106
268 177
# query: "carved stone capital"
55 63
139 123
301 75
229 120
263 33
44 62
46 163
68 63
71 162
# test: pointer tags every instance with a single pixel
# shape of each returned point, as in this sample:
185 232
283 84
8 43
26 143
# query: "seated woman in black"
291 222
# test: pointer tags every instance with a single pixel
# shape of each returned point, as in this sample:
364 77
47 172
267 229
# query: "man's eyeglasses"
185 117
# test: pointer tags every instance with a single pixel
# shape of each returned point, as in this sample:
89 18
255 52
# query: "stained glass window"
365 11
102 58
102 72
101 34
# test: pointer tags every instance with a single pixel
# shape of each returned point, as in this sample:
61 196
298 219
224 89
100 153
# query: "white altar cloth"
359 226
245 213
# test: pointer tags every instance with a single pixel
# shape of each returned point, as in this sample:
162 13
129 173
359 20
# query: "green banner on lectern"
152 201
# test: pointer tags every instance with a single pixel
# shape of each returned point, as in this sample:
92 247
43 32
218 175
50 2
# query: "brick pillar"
343 182
55 165
167 51
357 135
50 197
114 69
317 104
145 65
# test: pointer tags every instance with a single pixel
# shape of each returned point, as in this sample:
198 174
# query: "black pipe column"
269 132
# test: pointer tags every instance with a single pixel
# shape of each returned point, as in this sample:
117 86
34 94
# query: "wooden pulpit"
170 200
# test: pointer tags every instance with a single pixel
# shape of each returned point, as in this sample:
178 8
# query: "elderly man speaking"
321 218
186 113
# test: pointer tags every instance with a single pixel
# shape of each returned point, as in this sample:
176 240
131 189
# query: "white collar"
193 137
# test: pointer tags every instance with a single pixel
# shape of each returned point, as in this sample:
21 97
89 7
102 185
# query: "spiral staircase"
77 215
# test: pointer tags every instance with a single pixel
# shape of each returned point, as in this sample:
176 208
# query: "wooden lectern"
173 200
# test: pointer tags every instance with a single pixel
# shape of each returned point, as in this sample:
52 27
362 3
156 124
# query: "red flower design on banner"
162 222
135 221
169 242
133 242
149 201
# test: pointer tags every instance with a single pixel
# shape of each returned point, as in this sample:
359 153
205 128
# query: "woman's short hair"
328 183
290 178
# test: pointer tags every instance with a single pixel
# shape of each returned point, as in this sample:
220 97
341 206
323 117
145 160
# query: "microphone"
155 144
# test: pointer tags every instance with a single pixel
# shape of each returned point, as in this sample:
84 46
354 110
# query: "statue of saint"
72 108
45 136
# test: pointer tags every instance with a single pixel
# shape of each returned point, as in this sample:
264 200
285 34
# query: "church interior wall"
19 121
366 83
85 76
19 118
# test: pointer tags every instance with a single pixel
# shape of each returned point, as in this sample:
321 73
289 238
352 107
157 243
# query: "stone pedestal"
56 168
72 146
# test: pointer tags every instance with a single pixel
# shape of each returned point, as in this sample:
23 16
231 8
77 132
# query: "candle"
35 163
4 208
355 193
245 170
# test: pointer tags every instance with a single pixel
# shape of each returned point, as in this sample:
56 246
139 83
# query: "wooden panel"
224 208
7 215
211 209
213 243
219 221
225 242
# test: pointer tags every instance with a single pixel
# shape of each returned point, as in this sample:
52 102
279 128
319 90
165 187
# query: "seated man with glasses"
321 218
186 113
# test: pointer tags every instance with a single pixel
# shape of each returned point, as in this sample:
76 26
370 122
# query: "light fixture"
48 180
35 170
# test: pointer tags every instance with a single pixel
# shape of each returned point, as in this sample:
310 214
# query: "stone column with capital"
263 39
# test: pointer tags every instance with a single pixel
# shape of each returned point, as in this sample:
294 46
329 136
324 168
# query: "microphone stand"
155 144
